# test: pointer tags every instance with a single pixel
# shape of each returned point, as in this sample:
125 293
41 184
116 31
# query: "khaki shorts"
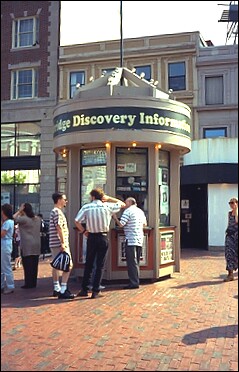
55 251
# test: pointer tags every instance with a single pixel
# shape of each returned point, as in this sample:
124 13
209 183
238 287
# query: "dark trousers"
97 246
30 267
133 253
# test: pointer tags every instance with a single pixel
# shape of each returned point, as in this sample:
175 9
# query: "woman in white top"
7 229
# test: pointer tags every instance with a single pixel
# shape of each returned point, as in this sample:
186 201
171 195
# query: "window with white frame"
146 70
25 32
214 90
77 77
24 84
177 76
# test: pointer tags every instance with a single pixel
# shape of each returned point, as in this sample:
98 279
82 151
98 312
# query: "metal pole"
121 34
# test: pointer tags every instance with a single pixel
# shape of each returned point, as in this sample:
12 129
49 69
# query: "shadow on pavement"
199 337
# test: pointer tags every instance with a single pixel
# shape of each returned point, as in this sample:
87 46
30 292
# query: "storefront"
123 134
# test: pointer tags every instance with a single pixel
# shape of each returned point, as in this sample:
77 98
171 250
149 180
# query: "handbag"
61 262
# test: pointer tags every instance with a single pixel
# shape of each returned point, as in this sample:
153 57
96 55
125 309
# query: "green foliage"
18 179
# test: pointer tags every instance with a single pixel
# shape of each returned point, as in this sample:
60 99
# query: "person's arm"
3 233
59 231
80 227
19 212
117 221
111 199
4 230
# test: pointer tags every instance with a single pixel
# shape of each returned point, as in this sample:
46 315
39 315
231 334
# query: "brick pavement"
185 323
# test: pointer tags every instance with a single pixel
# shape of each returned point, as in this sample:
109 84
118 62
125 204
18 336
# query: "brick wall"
11 10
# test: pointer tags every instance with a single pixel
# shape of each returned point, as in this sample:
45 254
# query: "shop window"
25 32
144 70
24 84
214 90
20 139
132 176
214 132
76 78
93 172
177 76
21 186
164 196
61 173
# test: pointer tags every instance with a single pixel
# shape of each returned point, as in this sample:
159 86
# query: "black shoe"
82 293
96 295
130 287
56 293
66 295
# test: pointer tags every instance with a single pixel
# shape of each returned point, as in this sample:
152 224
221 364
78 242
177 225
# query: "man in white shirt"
133 221
97 216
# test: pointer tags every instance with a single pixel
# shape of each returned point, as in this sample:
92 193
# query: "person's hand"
105 198
114 216
62 247
22 206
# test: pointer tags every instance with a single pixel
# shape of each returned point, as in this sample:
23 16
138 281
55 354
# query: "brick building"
30 41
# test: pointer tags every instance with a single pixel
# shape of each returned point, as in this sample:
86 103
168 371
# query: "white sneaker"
101 287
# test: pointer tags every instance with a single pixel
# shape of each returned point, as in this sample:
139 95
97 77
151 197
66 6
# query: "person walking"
30 244
96 216
132 220
231 240
59 242
7 230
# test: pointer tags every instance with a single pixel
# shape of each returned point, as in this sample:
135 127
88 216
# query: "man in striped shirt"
59 241
96 215
133 221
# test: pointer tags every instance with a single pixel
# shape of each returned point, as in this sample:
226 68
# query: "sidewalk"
188 322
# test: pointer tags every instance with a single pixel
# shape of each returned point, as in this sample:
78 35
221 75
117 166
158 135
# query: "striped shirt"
97 215
133 220
57 217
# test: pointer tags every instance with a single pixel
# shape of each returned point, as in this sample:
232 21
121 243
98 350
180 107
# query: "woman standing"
30 243
7 230
231 240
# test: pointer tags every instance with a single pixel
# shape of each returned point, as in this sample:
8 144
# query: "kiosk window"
131 175
163 181
93 172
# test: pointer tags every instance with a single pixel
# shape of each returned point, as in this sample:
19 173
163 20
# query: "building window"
144 70
21 186
75 79
93 172
107 71
24 84
20 139
214 132
177 76
132 175
61 173
163 181
214 90
25 32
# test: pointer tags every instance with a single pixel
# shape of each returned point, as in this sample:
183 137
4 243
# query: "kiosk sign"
122 118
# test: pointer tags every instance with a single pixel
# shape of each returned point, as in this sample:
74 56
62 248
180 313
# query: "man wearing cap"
133 221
